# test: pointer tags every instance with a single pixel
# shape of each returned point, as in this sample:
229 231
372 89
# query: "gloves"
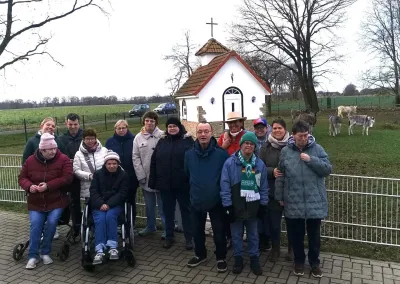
230 213
262 211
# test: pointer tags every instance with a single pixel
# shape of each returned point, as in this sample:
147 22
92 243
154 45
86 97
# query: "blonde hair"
46 120
120 122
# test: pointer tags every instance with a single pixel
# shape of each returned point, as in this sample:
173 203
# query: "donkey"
335 124
364 120
346 109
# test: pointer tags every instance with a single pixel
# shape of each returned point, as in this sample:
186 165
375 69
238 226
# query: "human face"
173 129
204 134
48 127
90 141
278 132
112 166
149 125
260 130
121 129
300 139
247 148
72 126
49 153
235 126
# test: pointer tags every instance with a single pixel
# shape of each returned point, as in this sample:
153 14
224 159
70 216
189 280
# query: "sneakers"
298 269
98 258
255 265
222 266
56 235
46 259
238 267
146 232
168 243
188 245
195 261
31 263
114 255
316 272
163 236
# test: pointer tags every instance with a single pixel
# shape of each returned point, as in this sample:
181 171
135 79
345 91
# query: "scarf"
248 185
92 149
236 133
279 144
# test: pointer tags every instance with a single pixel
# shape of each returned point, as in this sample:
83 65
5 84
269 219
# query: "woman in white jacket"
143 147
88 159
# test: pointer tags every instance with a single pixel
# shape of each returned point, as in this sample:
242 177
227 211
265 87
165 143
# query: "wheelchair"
125 231
63 252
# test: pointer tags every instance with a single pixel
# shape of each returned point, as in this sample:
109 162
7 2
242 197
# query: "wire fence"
361 209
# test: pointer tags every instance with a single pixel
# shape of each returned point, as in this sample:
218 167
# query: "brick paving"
158 265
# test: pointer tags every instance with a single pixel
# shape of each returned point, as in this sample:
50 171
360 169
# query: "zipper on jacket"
304 188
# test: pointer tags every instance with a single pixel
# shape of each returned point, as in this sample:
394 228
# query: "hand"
305 157
277 173
104 207
262 211
42 187
226 141
230 213
281 203
33 188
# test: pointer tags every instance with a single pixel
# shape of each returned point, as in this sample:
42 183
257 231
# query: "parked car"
139 110
165 108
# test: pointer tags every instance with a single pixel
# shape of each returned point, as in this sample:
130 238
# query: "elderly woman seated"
108 192
45 176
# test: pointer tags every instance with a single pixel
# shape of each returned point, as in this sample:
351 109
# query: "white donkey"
349 110
364 120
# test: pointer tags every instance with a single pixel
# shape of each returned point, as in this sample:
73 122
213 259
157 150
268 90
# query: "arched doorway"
232 101
184 109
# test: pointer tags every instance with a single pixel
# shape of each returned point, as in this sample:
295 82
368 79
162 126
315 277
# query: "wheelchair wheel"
64 252
18 252
88 267
130 257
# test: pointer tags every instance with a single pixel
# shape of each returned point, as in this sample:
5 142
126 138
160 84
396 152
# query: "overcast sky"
122 55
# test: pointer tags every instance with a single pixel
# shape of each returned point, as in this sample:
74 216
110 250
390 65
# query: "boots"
238 267
264 242
255 265
275 252
289 255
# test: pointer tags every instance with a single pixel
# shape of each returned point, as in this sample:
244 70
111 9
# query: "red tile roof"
212 46
204 74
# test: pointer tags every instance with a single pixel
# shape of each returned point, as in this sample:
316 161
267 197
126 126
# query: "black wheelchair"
125 231
63 252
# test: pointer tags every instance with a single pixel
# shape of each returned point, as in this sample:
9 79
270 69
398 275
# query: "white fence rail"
361 209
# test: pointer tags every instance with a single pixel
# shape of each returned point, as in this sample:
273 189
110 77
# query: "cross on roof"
212 27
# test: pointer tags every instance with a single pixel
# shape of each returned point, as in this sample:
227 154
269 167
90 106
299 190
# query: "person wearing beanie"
167 175
143 147
108 193
46 177
244 195
262 130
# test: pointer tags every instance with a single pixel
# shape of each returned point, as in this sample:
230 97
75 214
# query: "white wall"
191 106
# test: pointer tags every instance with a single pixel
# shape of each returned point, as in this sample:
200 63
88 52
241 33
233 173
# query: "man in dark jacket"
203 166
301 190
108 192
71 140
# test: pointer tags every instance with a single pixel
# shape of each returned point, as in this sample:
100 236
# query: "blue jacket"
230 187
302 186
203 167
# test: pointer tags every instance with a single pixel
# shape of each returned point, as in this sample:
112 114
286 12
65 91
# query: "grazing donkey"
346 109
308 117
364 120
335 124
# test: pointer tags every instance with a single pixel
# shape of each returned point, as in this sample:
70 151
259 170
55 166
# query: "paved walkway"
157 265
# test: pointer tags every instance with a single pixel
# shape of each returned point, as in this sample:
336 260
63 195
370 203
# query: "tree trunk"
268 105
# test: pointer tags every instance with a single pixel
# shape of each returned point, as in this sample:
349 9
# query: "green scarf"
249 185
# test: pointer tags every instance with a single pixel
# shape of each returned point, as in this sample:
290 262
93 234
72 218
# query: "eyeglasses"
149 120
248 143
172 126
90 139
199 132
121 128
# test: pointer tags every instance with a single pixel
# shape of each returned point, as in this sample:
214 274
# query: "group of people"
244 182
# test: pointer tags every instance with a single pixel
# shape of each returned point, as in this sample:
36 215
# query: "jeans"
296 230
252 236
217 224
106 228
169 199
37 219
151 199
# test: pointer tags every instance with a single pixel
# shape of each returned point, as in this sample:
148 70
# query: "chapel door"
233 101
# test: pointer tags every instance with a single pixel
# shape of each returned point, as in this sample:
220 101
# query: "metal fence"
361 209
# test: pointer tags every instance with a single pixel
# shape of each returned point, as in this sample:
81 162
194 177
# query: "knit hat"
111 155
248 136
173 120
47 141
260 120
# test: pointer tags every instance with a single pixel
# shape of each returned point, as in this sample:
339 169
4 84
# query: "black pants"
273 222
132 200
227 227
217 223
296 231
76 214
169 199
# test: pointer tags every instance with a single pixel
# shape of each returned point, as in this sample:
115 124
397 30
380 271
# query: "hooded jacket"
302 186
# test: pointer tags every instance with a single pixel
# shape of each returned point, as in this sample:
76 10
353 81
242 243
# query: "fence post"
379 101
105 120
83 120
26 134
278 109
124 116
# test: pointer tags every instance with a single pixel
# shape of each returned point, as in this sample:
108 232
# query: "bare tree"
297 34
182 58
381 36
14 29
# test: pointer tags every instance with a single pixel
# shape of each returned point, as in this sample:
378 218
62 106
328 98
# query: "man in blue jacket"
301 190
203 165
